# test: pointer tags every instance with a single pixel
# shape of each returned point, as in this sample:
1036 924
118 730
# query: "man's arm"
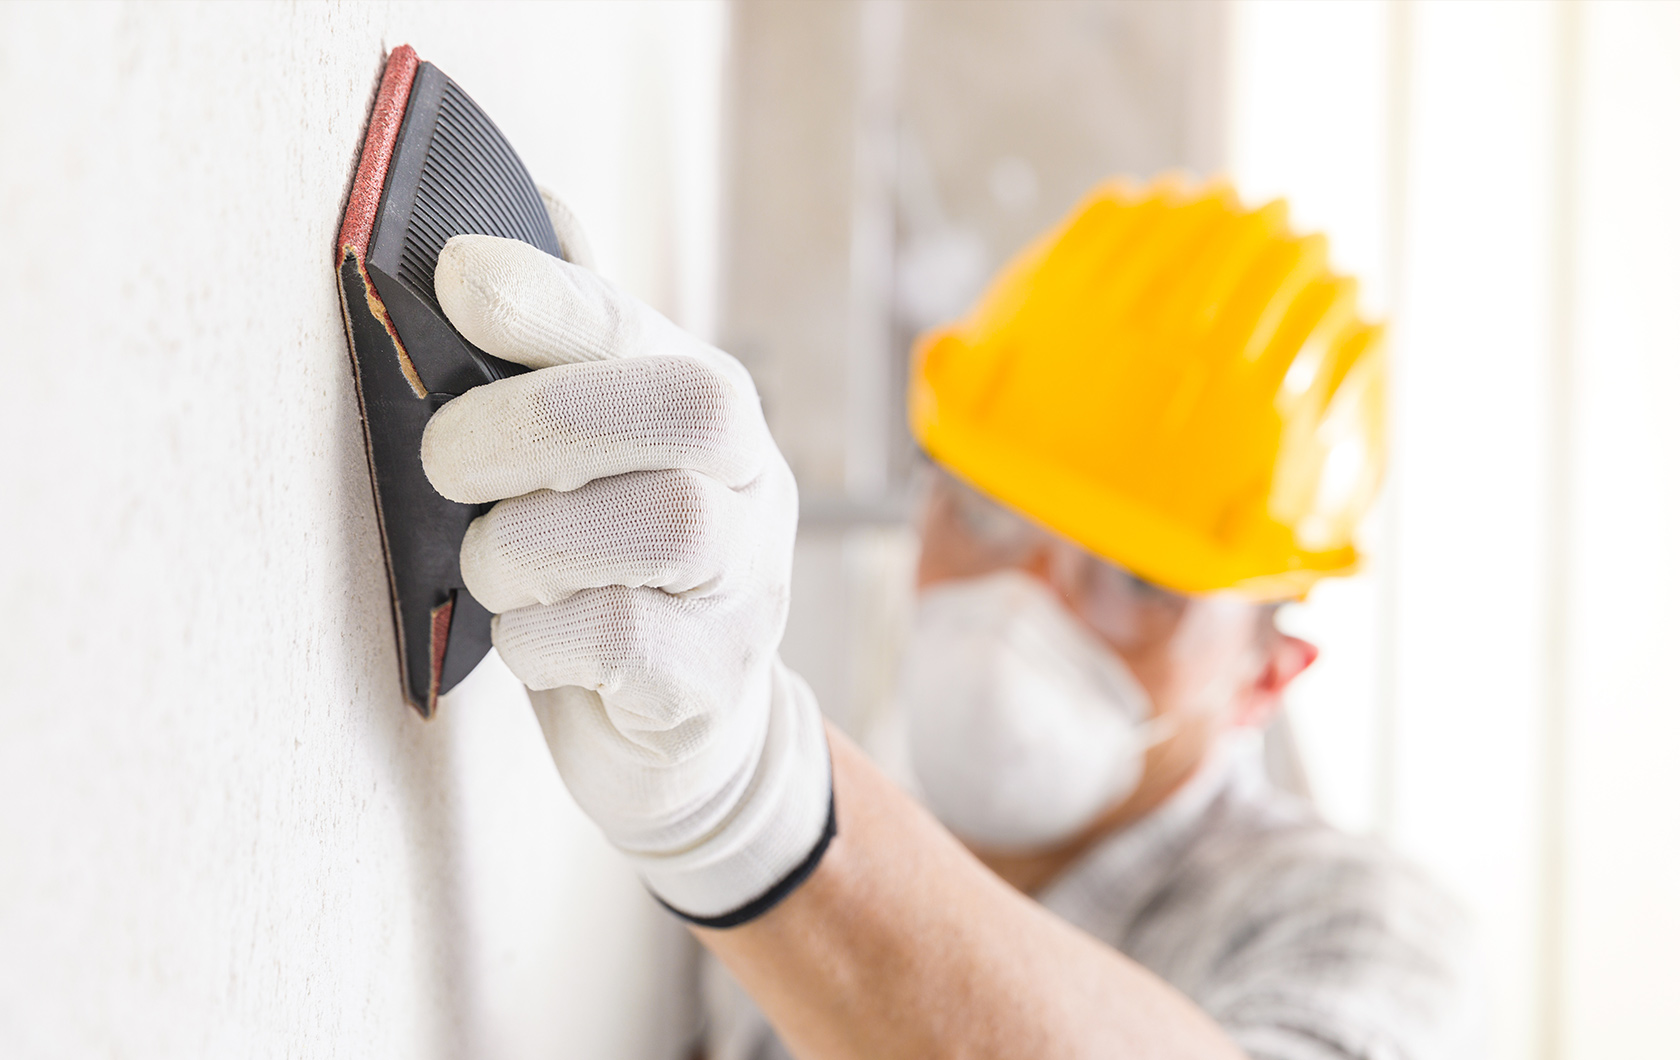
638 558
901 944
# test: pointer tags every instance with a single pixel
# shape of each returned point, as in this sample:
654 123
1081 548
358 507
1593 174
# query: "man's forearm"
901 944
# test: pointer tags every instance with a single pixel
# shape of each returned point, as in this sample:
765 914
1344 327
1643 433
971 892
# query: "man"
1163 420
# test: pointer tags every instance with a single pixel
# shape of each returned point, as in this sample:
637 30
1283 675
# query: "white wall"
1497 696
221 832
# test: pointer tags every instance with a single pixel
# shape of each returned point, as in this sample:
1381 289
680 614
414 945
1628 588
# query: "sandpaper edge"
384 124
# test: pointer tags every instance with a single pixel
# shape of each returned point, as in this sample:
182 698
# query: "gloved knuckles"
561 427
678 531
662 664
671 806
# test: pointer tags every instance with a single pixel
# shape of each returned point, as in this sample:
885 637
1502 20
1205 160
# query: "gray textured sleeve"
1319 947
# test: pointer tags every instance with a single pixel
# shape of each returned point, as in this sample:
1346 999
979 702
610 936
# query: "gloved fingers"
574 245
561 427
662 663
526 306
678 531
589 639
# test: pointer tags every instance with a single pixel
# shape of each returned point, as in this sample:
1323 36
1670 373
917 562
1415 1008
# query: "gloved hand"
638 564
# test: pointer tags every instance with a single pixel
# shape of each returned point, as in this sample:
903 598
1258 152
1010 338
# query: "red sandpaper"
383 127
356 232
441 616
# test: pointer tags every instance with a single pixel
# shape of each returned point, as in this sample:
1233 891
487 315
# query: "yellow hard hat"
1176 383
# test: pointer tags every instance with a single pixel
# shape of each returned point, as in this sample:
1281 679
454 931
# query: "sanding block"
432 166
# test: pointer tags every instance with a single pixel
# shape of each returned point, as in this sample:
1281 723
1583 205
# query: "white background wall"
221 832
1497 694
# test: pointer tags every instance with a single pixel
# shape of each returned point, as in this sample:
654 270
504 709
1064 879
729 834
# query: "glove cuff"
777 834
773 897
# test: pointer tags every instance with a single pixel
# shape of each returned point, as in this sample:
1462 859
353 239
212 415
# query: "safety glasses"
976 535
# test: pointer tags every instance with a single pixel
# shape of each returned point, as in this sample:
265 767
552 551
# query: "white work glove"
638 564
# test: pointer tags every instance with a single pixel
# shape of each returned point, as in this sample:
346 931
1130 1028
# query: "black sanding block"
432 166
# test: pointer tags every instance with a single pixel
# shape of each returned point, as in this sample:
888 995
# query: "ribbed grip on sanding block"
452 173
471 182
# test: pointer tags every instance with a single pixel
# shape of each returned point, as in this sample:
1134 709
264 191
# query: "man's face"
1210 662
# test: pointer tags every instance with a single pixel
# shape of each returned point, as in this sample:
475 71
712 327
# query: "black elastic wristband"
773 897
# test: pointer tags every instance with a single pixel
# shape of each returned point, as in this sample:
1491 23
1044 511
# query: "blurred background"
1495 695
221 832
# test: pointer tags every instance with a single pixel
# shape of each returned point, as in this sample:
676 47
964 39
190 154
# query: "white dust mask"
1023 724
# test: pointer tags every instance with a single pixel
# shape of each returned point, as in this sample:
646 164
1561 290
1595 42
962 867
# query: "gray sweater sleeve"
1305 944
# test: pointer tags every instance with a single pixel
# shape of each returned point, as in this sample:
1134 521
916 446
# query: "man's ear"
1286 659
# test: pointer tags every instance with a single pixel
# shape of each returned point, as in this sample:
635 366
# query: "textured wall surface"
221 832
